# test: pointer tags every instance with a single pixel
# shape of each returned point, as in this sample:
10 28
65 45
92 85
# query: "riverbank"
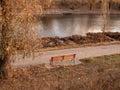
74 12
76 41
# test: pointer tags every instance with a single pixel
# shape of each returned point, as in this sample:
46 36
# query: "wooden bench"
62 58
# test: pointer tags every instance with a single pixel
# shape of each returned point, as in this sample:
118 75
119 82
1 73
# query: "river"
68 25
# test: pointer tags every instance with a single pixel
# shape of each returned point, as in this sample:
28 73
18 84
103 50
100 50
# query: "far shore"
73 12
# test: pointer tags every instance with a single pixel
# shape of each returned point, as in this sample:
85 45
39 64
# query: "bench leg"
73 60
51 62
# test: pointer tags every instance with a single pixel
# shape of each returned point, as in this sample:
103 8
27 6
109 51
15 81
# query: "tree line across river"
75 4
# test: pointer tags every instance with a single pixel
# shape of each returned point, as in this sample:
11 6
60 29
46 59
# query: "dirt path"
81 53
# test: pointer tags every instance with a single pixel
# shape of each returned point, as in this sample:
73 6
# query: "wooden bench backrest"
57 58
64 57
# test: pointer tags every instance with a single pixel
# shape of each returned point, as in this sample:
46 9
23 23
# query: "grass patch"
111 57
100 73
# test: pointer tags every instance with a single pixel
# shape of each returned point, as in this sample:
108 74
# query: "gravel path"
81 53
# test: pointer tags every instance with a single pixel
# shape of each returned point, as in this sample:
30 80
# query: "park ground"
100 73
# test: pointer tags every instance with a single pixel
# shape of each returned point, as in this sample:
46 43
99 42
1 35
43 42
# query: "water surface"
68 25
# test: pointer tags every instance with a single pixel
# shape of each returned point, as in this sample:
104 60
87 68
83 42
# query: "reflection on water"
63 26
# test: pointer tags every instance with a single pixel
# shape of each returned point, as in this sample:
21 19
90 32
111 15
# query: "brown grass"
101 73
76 41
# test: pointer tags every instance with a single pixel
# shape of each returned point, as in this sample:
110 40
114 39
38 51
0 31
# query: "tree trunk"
6 39
90 7
105 14
6 67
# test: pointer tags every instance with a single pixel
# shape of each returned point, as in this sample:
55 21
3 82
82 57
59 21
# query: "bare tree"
17 30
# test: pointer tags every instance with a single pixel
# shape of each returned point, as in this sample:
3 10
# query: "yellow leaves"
19 31
48 3
8 48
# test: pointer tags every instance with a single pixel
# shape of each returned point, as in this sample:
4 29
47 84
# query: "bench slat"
57 58
64 57
67 57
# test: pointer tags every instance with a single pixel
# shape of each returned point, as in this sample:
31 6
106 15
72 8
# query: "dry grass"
73 45
101 73
76 41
